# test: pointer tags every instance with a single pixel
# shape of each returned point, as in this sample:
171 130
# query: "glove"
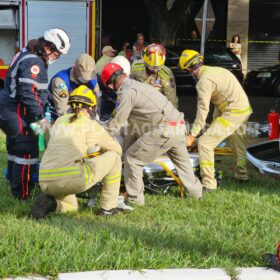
40 127
190 140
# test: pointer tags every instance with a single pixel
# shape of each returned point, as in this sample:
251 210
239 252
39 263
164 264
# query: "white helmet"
123 62
59 38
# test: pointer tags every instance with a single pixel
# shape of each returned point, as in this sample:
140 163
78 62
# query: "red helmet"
110 72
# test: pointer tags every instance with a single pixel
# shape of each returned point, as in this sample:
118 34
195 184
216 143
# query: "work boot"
44 205
110 212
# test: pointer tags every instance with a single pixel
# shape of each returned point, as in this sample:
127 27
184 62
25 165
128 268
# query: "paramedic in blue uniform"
65 81
22 102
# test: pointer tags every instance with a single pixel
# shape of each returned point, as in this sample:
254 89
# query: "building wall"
238 23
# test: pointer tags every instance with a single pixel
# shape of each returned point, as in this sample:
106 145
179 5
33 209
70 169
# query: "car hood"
269 68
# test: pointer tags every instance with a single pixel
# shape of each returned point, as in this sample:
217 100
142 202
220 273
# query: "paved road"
261 106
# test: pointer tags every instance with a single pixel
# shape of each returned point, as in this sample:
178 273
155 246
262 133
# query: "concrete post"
238 23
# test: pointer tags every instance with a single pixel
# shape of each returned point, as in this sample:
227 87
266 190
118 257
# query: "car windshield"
219 57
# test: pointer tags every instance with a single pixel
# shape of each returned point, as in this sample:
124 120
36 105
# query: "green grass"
230 228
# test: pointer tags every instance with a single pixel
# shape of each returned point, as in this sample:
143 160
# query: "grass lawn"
229 228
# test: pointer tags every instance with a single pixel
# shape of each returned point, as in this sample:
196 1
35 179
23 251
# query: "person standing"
138 47
64 82
22 102
154 127
80 153
151 70
232 110
235 46
107 54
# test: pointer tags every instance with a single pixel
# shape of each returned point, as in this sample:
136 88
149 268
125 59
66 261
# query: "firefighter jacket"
163 80
26 84
71 142
61 85
142 105
220 87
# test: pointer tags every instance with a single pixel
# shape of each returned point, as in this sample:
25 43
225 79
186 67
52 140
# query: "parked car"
221 57
264 81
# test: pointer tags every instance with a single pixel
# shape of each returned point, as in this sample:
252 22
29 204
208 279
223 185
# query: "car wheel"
276 88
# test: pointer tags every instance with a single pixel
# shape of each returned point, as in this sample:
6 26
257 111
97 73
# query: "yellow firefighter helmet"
82 95
189 59
154 56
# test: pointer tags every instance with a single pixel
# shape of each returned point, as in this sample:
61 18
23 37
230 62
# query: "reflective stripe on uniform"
10 157
25 161
222 106
112 179
138 67
30 81
59 172
163 75
223 121
88 174
14 73
241 162
204 163
246 111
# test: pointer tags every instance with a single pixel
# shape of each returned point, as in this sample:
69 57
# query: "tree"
166 17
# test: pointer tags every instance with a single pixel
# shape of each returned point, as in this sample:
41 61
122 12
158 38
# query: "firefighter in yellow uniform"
151 70
232 110
155 128
67 166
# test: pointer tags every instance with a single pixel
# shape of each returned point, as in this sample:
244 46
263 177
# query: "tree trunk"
165 23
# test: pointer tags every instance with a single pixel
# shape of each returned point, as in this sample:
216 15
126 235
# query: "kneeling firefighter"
67 167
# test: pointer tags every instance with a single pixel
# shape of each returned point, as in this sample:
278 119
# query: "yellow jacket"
163 80
70 142
220 87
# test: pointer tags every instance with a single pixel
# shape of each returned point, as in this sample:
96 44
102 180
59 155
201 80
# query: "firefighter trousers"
146 149
65 186
22 150
224 126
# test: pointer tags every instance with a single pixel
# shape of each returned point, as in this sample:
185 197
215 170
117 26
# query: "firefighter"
22 102
232 110
65 81
155 127
108 98
151 70
69 165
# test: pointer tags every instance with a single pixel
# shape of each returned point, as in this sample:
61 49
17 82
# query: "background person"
66 167
232 110
154 127
107 54
235 46
64 82
22 102
139 47
151 70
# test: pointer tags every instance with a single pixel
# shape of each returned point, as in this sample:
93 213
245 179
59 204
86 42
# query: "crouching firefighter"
67 167
155 127
22 102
